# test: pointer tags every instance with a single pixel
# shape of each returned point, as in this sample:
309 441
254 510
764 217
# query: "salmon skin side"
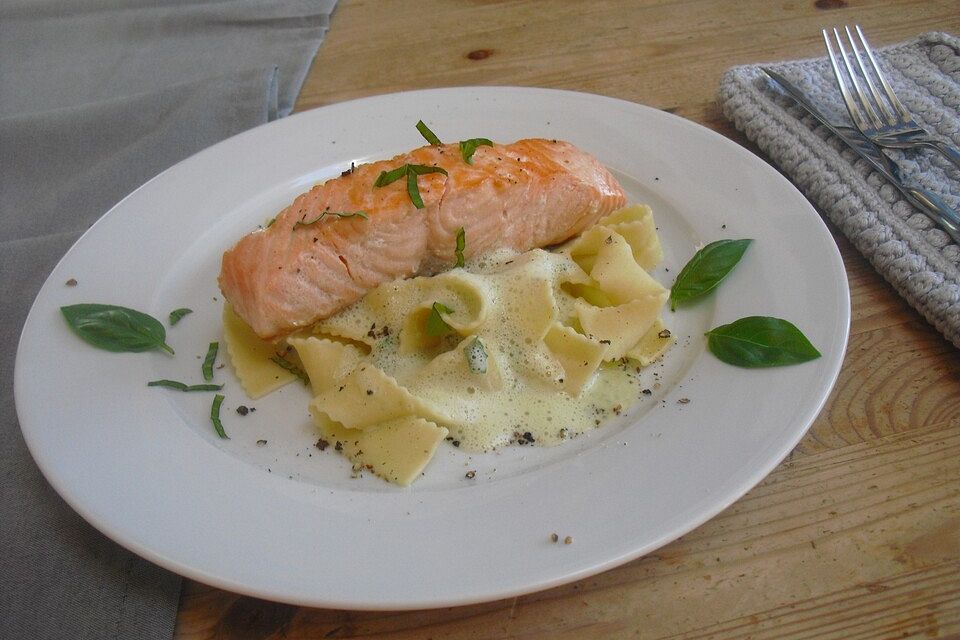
532 193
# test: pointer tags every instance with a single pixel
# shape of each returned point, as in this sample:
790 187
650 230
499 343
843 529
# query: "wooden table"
857 533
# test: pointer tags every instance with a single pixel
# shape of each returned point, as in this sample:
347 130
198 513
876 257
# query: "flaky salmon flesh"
319 255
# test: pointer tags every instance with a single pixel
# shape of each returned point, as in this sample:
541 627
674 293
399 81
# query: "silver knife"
928 202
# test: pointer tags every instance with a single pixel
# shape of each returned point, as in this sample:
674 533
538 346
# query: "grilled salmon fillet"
528 194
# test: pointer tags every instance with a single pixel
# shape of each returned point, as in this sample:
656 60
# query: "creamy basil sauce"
518 399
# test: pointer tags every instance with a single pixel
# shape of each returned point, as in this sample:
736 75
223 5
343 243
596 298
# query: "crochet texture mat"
904 245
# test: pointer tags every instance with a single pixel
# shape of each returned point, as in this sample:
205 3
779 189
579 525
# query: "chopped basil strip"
706 269
476 356
215 416
760 341
283 363
428 135
468 147
389 177
436 326
177 314
411 171
116 328
207 368
179 386
413 190
340 214
461 245
421 169
270 223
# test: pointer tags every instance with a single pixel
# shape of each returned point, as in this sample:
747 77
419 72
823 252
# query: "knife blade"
928 202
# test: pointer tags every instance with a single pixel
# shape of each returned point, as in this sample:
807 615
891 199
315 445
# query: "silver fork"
884 119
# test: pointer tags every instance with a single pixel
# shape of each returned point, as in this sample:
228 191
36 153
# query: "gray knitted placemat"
907 248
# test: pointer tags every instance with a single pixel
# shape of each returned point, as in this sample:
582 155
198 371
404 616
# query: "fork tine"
891 119
893 130
864 100
894 101
855 113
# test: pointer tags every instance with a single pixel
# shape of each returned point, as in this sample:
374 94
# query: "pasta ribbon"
579 356
355 323
365 397
250 356
459 294
619 276
326 362
635 223
621 326
397 450
652 345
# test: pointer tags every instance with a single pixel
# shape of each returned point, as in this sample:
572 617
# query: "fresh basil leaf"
283 363
208 361
180 386
389 177
339 214
461 245
215 416
436 326
116 328
177 314
706 269
476 356
468 147
760 341
430 136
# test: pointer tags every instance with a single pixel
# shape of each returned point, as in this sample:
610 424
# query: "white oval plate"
286 522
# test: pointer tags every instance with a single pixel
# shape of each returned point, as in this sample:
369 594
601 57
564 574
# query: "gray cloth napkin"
97 97
905 246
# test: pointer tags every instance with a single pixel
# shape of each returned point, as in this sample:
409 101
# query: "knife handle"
935 209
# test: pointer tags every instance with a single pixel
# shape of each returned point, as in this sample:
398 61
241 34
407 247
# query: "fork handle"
948 151
936 209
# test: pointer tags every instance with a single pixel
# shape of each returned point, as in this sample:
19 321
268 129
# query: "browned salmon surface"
532 193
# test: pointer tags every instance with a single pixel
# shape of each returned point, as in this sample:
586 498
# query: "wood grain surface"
857 533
